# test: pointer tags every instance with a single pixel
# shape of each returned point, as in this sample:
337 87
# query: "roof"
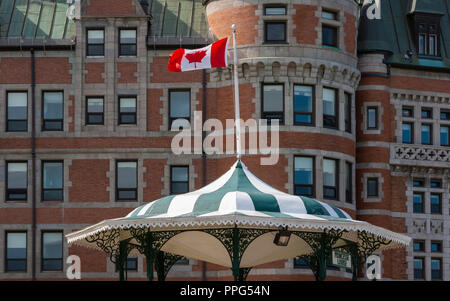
393 35
239 192
35 19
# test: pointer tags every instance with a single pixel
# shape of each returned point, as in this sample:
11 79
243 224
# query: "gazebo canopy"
237 200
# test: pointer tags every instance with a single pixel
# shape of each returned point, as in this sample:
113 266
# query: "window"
418 202
180 105
329 35
348 112
53 111
273 103
304 176
372 187
427 113
435 203
426 133
330 179
300 263
303 105
329 15
419 246
126 189
127 110
418 182
16 112
407 112
329 108
275 32
127 38
130 264
436 270
436 246
348 182
52 181
16 252
274 10
445 115
95 42
16 181
445 140
419 264
94 110
52 251
435 184
179 179
427 36
407 133
372 118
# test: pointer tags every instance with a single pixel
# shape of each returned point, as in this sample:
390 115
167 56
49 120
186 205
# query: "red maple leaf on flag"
196 57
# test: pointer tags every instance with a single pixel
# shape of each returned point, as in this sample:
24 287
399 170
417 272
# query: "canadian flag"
211 56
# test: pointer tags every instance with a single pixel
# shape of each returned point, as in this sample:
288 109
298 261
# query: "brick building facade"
87 103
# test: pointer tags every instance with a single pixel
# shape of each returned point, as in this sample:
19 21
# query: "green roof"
177 18
393 34
35 19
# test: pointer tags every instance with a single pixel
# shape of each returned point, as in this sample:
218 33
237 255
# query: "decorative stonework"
419 226
420 152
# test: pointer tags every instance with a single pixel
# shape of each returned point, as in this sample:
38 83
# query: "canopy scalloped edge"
78 238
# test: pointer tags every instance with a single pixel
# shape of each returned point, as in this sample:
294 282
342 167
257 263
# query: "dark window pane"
126 174
372 118
306 190
418 183
407 112
300 263
128 49
96 40
303 118
418 268
418 203
17 126
275 32
348 182
419 246
426 134
96 50
329 36
52 195
303 104
179 179
435 202
445 135
16 265
128 118
275 11
435 184
445 115
52 175
127 194
426 113
436 247
16 194
329 192
95 118
372 187
303 170
407 133
180 188
180 104
56 125
52 244
348 112
436 272
52 265
53 105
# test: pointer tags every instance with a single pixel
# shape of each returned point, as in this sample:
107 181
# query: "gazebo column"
121 259
322 246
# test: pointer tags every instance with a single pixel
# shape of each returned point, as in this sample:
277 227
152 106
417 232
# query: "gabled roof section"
35 19
177 22
393 35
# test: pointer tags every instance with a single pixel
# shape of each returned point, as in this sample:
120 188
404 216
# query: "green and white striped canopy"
238 192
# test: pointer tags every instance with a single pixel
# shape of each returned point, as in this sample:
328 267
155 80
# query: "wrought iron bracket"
369 243
164 262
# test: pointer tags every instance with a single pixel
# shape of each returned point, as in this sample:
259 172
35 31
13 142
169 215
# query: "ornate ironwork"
108 241
164 262
352 248
369 243
243 273
236 241
321 244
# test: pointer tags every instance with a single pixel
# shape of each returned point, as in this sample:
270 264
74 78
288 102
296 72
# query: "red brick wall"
350 33
89 181
127 72
91 260
243 16
94 73
152 177
49 70
111 7
154 105
305 23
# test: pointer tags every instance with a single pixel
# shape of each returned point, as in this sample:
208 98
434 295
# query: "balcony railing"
419 155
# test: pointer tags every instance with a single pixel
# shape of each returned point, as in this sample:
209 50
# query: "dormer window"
427 32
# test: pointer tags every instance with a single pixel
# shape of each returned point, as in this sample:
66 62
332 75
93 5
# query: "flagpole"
236 96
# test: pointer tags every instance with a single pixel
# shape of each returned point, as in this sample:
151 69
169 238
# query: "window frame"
313 185
43 162
411 124
439 205
15 259
313 106
336 37
7 127
264 113
423 268
127 260
174 182
42 251
448 134
349 190
422 203
336 109
348 97
120 44
15 190
430 133
336 175
440 268
369 127
126 189
172 119
87 41
439 243
96 114
44 129
420 241
282 22
119 119
377 194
